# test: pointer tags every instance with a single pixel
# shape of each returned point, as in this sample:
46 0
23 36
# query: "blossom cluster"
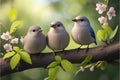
83 69
100 7
7 37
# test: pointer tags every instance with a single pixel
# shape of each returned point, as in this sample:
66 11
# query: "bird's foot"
54 54
87 49
78 49
63 51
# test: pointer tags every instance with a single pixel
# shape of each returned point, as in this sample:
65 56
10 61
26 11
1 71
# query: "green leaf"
58 58
99 64
16 48
53 64
89 65
102 65
25 57
8 55
15 25
67 66
102 35
114 33
12 14
52 73
86 60
108 29
14 61
47 78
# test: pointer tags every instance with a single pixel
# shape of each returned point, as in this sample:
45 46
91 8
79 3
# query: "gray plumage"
57 38
34 41
82 32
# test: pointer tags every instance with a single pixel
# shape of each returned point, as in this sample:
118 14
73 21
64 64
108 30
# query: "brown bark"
107 53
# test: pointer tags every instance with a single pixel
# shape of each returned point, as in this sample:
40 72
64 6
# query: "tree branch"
108 53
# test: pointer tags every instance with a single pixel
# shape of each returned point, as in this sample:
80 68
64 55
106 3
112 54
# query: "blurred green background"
42 13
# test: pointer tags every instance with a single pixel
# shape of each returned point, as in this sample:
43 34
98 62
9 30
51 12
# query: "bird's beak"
40 30
74 20
53 25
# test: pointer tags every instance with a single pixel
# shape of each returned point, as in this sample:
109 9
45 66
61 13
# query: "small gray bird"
82 32
34 41
57 38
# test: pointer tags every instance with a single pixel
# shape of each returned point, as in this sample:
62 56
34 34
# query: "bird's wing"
92 32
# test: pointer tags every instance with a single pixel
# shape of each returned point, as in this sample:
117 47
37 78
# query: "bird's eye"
58 25
34 30
81 20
